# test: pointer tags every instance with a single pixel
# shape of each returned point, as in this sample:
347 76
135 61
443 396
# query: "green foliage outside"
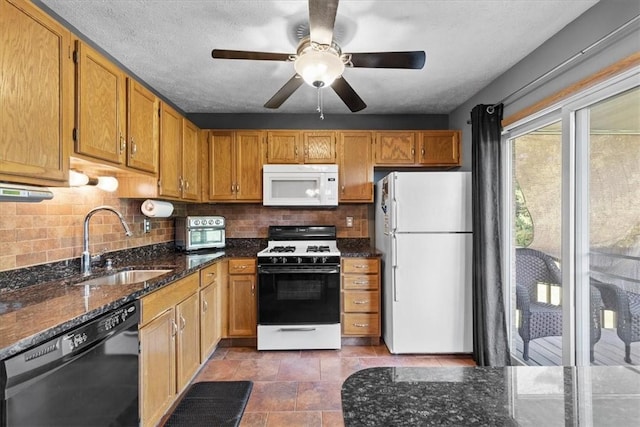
524 222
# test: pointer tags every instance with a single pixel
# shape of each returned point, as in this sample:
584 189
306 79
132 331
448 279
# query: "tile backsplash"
37 233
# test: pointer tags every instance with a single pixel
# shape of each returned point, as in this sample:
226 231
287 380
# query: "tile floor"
302 388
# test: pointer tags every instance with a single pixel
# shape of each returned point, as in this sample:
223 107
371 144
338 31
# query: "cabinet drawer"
242 266
164 298
360 301
208 275
360 324
360 265
360 281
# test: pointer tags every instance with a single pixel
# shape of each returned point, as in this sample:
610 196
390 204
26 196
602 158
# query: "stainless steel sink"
125 277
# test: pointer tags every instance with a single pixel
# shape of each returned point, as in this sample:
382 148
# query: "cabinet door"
395 148
36 89
170 152
157 367
143 130
188 345
242 305
222 166
355 166
100 106
319 147
284 147
210 331
190 165
249 166
439 148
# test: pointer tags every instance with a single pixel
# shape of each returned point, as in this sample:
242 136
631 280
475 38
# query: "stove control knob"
274 260
284 259
196 222
315 259
211 222
299 260
324 259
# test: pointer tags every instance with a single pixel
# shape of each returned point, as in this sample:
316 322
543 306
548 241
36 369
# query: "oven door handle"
294 270
296 329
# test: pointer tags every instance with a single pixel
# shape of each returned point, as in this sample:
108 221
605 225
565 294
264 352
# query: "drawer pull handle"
211 274
361 325
361 266
205 306
360 282
361 302
183 323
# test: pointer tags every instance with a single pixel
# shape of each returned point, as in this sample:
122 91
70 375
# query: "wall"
249 221
37 233
312 121
595 23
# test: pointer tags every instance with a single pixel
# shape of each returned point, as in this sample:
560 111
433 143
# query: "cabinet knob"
123 144
134 147
205 306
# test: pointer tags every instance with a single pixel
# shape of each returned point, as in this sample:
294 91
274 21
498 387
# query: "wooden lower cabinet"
361 297
242 298
169 346
210 310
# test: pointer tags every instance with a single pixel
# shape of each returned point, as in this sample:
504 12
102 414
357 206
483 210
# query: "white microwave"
300 185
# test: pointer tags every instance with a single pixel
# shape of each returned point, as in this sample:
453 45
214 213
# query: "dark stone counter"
38 303
484 396
357 248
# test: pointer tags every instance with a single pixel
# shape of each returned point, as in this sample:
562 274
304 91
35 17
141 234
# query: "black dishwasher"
85 377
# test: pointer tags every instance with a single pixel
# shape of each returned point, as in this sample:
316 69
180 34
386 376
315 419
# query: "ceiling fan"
319 60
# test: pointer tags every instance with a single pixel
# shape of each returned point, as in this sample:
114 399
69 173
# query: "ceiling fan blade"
414 60
243 54
348 95
285 92
322 18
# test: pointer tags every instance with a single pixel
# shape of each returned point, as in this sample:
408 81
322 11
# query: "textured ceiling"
168 45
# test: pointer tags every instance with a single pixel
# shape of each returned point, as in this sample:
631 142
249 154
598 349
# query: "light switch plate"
147 225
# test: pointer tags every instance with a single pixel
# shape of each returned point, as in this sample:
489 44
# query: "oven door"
298 295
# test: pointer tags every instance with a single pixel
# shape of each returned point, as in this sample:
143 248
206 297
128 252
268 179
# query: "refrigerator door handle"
394 216
394 266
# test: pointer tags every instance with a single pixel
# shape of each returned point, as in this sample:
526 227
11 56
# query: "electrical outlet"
147 225
349 221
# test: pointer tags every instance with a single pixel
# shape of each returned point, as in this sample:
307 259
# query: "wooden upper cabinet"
100 106
284 147
355 166
249 160
36 89
170 152
293 146
319 147
439 148
235 166
395 148
190 161
221 165
142 127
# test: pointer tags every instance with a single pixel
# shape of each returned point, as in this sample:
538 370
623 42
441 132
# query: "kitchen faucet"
85 261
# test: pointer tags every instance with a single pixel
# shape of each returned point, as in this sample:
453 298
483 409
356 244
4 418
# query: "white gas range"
299 289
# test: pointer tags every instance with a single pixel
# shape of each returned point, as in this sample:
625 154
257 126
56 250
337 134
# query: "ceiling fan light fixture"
319 68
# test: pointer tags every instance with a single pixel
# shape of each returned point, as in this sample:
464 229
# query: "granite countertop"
488 396
40 306
39 303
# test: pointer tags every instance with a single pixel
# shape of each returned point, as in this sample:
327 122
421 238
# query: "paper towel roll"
156 208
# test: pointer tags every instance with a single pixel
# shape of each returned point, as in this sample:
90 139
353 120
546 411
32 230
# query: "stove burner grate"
314 248
281 249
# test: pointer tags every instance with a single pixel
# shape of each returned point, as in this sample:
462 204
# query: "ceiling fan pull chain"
320 106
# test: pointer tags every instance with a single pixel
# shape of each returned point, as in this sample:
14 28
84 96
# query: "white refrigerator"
423 230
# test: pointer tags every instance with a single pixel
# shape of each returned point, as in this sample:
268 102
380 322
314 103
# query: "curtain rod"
623 27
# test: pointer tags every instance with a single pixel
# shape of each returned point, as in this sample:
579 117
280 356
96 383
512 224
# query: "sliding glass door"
573 257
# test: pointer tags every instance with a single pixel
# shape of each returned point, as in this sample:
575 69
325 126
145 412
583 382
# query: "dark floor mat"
214 403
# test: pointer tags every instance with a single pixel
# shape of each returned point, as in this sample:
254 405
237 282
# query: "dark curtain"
490 344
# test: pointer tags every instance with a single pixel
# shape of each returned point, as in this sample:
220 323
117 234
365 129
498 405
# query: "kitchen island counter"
510 396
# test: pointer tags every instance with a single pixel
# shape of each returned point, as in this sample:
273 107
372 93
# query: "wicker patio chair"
540 319
627 306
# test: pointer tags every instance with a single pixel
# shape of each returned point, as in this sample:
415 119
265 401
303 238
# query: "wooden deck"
609 351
